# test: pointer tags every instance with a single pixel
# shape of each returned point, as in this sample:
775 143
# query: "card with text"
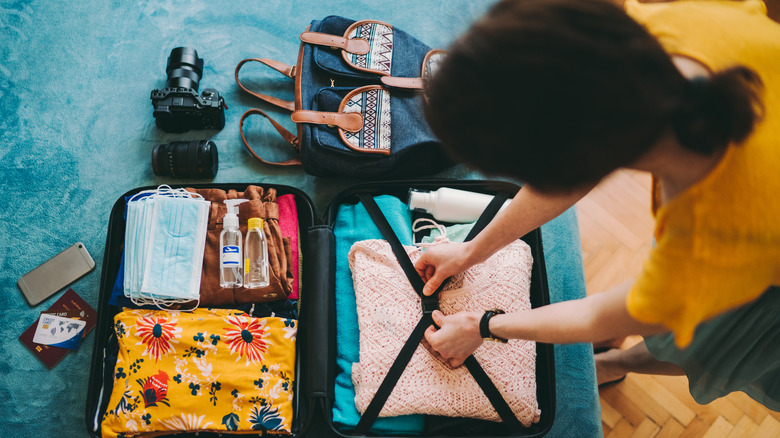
58 331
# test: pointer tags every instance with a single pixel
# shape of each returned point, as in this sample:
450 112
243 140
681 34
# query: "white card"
58 331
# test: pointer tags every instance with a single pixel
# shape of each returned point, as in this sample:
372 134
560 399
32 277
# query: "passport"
70 305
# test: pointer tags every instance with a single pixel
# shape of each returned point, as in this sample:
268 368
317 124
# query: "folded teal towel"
353 224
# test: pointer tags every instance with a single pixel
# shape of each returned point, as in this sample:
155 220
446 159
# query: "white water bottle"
451 205
256 250
230 242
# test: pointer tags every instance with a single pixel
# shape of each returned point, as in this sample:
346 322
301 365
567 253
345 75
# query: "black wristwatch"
484 327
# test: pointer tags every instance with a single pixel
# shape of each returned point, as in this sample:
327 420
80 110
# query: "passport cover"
69 302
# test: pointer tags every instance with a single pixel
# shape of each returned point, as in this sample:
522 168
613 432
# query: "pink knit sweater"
388 310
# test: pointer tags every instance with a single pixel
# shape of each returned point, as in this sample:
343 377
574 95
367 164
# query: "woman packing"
558 94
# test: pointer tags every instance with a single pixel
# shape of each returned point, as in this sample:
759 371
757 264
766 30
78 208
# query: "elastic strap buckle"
429 304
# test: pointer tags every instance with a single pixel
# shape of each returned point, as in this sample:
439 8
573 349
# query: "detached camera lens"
184 68
185 159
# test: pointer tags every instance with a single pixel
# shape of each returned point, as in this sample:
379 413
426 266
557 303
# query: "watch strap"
484 325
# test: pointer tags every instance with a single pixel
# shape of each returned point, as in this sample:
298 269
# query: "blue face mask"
165 238
135 241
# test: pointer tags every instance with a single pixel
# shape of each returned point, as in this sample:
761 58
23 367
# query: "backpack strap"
288 136
358 46
406 83
351 122
282 68
429 304
429 67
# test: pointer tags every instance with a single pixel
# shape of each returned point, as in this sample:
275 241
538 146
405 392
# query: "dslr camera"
178 107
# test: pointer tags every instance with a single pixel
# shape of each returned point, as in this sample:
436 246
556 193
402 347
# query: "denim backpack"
358 102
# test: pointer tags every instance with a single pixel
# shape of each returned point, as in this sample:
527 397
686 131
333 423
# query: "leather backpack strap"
358 46
282 68
288 136
351 122
405 83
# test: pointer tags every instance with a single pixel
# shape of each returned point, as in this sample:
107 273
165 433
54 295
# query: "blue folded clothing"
353 224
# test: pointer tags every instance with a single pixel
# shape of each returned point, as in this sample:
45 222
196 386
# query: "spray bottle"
230 242
256 250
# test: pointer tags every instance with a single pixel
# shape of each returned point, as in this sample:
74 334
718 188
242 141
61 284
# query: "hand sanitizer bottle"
230 242
256 250
451 205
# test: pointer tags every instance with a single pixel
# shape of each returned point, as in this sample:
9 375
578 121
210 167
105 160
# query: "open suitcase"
315 365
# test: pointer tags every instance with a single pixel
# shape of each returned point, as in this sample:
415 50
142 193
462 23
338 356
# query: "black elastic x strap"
429 304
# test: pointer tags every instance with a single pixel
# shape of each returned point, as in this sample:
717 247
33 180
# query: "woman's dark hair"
562 92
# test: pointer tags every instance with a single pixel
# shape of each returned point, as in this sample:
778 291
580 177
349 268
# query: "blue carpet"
77 131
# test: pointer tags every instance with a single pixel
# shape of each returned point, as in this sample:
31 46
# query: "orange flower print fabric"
245 337
212 370
157 334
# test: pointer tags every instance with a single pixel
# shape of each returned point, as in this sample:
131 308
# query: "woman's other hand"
457 337
440 262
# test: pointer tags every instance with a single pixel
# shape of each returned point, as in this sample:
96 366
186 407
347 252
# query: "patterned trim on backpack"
431 63
373 103
380 38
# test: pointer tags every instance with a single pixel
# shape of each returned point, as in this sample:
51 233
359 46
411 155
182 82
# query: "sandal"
612 382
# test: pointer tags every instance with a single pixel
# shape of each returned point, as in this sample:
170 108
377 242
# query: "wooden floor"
616 229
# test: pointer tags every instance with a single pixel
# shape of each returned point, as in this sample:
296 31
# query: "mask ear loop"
162 303
197 304
138 197
416 227
164 190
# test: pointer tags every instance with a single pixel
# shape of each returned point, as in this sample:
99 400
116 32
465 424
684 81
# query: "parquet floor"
616 228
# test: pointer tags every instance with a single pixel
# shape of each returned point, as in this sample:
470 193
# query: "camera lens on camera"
185 159
184 68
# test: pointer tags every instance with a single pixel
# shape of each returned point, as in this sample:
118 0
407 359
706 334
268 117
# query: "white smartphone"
56 273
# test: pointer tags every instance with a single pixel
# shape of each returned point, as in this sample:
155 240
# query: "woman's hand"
457 337
440 262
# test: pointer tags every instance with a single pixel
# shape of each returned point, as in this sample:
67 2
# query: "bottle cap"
231 217
230 221
422 201
255 222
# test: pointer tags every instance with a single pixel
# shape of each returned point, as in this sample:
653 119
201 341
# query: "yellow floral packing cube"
204 370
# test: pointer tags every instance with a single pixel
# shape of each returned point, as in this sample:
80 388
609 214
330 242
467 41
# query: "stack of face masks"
165 235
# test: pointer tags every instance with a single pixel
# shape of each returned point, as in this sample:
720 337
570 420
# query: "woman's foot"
609 367
613 365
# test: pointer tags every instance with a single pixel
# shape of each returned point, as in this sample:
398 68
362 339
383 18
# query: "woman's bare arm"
594 318
528 210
